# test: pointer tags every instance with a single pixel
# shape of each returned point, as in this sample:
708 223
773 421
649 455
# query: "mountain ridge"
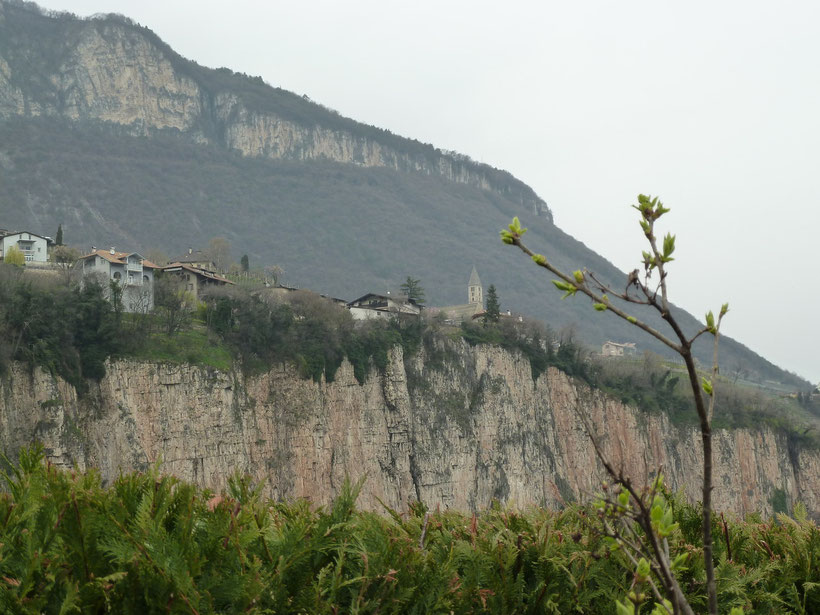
259 120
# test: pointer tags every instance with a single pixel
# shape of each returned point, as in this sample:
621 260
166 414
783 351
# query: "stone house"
194 280
130 270
372 306
35 248
614 349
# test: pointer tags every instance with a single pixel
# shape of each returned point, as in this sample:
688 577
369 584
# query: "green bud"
632 319
643 570
579 276
515 227
539 259
710 322
707 386
723 309
599 307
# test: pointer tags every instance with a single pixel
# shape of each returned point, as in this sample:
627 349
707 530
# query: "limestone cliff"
111 70
455 426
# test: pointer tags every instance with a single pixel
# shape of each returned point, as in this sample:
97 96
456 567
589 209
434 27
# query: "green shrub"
149 543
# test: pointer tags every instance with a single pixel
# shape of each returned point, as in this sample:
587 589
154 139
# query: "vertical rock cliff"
455 427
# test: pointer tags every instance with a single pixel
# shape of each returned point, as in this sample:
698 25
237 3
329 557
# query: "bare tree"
65 258
219 251
172 304
648 288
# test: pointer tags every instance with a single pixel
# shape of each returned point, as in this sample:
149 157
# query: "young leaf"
668 247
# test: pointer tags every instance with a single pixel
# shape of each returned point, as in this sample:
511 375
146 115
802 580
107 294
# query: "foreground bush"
151 544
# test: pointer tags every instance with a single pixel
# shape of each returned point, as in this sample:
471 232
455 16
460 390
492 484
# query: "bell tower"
475 293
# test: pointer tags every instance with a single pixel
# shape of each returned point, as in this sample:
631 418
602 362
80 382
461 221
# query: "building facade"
194 280
133 273
35 248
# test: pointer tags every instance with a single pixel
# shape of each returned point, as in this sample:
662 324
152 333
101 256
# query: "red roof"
119 258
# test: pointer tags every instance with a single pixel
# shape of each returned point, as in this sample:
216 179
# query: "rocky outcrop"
455 426
110 70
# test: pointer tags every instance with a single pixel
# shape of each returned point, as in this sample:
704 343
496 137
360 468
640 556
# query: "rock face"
454 426
111 70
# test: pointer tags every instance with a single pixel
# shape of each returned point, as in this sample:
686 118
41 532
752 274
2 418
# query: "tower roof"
474 279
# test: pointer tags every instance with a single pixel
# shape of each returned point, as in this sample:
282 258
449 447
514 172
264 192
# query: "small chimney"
112 250
190 250
93 248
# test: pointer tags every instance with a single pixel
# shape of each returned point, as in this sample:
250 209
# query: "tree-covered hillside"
334 228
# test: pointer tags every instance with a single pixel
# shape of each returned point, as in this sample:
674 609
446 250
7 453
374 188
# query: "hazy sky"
714 106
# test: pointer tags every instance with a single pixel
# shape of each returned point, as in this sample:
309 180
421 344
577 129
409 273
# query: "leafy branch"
649 288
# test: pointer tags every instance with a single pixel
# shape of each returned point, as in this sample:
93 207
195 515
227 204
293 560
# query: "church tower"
475 293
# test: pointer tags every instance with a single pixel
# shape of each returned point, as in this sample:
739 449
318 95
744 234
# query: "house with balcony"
35 248
130 270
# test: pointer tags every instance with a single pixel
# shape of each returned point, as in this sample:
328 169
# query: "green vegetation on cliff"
71 331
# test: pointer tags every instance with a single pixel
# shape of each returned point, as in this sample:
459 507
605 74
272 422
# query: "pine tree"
245 263
493 311
413 289
59 239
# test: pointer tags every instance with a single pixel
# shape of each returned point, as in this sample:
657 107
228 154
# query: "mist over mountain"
106 130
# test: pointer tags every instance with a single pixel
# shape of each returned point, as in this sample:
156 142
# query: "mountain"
106 130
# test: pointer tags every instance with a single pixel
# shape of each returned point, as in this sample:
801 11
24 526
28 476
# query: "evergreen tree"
245 263
59 240
413 289
493 311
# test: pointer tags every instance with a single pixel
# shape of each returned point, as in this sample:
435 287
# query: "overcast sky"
713 106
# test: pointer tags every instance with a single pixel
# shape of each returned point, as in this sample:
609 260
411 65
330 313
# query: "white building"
34 247
130 270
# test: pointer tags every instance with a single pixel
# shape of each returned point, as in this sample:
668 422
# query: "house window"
145 279
117 276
